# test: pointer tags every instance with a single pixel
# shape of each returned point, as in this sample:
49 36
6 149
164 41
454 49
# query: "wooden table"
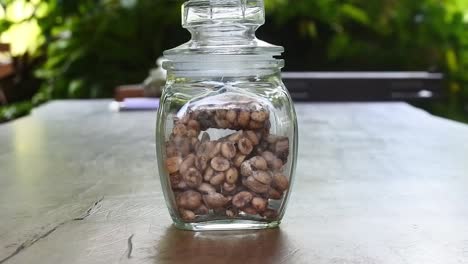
376 183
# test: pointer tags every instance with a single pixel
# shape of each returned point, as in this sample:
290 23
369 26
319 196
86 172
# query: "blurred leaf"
356 14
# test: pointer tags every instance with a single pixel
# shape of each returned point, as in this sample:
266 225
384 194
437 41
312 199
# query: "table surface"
375 183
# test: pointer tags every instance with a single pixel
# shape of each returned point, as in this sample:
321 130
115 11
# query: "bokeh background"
85 48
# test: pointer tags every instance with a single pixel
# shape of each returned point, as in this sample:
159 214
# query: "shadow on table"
260 246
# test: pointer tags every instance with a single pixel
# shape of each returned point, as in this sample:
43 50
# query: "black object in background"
363 86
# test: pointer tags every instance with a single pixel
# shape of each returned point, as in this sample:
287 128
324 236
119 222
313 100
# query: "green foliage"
94 46
387 35
15 110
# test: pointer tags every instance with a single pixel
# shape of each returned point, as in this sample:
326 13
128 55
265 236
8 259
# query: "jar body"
226 150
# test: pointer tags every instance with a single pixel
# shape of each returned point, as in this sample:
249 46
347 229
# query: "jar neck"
222 34
224 66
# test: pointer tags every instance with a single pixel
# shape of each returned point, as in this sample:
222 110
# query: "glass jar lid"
223 27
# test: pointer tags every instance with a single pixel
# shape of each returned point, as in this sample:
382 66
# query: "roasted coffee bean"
220 164
194 142
229 188
183 145
263 177
184 120
277 165
215 200
187 215
171 150
173 164
259 204
274 194
255 124
259 163
232 175
216 149
189 200
245 146
193 178
179 130
235 137
250 211
192 133
231 116
259 116
252 136
188 162
228 149
282 148
255 186
231 212
202 210
209 173
206 188
201 163
238 159
193 124
270 214
218 179
280 182
246 169
221 122
176 181
269 157
221 113
242 199
243 119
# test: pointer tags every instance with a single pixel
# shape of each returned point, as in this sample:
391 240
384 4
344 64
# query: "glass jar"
226 128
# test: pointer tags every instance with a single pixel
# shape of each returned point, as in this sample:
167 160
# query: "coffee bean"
259 116
259 204
215 200
263 177
187 215
256 186
232 175
188 162
201 163
193 178
259 163
217 179
189 200
229 188
238 159
243 119
209 173
220 164
280 182
231 116
228 149
250 211
206 188
274 194
252 136
173 164
245 146
242 199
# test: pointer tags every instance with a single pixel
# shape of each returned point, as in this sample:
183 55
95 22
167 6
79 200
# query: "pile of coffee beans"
230 177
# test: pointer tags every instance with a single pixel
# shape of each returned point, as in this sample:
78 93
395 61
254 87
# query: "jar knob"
205 12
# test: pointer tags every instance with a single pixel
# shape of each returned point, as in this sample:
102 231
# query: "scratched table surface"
375 183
